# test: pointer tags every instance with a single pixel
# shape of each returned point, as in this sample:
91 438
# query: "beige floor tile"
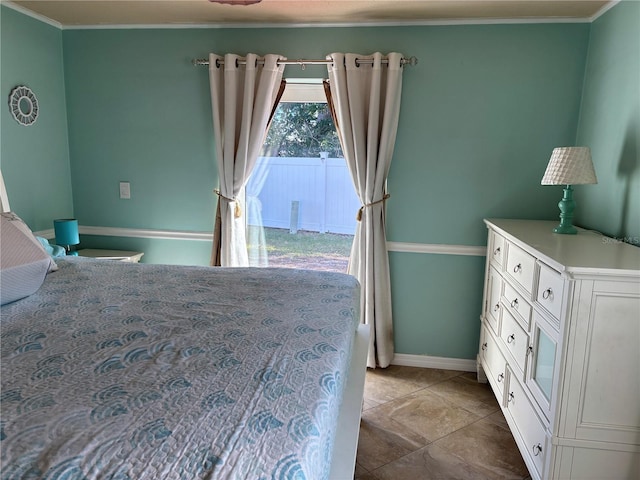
487 447
367 404
466 392
427 414
430 463
360 470
498 419
421 377
382 387
433 424
367 476
383 440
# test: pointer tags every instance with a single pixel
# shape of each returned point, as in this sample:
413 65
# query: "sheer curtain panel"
242 99
365 101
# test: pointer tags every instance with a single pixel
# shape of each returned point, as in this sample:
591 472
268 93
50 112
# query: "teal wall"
436 303
140 112
486 103
168 251
481 113
34 159
610 124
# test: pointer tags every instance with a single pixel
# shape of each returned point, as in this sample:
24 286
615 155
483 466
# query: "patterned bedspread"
123 371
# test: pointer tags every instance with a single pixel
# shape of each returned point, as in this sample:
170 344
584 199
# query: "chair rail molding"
404 247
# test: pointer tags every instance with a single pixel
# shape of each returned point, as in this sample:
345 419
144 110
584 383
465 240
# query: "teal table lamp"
569 166
66 230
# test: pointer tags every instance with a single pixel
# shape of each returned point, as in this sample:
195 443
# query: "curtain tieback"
237 211
383 199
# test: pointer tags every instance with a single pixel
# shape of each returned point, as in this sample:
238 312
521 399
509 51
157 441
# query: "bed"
135 371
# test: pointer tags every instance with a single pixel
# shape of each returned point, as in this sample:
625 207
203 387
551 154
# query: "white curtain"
256 240
242 100
365 98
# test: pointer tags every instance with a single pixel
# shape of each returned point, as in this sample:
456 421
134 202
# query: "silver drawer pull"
517 268
511 338
496 307
547 293
514 303
500 377
484 346
511 397
537 450
496 251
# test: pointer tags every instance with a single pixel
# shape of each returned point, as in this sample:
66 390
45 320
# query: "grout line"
432 442
419 389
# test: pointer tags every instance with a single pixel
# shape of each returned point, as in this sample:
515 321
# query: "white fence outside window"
325 196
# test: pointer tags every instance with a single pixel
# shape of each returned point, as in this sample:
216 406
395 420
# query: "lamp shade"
570 166
66 230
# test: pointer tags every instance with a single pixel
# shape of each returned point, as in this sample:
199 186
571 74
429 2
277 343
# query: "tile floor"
423 424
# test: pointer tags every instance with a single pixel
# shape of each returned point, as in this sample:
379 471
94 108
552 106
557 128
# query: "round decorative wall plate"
23 105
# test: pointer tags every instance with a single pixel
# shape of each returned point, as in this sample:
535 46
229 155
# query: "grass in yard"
307 244
308 250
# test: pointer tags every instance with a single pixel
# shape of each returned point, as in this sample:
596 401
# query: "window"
300 199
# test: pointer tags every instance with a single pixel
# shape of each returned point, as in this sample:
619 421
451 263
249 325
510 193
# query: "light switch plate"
125 190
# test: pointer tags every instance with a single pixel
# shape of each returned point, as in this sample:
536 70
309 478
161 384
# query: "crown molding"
409 23
420 23
31 14
604 10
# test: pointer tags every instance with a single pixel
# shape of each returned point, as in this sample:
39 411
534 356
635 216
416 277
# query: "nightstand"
120 255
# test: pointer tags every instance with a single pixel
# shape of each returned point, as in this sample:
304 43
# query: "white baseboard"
443 363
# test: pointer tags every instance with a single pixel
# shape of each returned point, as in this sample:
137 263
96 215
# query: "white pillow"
23 262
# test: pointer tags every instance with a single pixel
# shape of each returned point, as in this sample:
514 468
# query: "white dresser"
560 346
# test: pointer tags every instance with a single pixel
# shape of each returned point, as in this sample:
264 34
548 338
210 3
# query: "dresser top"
587 252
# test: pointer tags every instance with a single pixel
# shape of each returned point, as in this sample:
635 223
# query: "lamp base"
69 252
565 229
566 206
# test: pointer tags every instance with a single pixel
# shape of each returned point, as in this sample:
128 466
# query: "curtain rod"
412 61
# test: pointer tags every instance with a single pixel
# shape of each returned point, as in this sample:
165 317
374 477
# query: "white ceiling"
76 13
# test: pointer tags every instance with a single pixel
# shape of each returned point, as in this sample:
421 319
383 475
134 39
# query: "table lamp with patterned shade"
66 230
569 166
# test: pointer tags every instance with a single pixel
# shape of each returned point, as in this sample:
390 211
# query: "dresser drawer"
550 290
496 248
517 305
515 339
494 364
520 267
493 306
531 429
